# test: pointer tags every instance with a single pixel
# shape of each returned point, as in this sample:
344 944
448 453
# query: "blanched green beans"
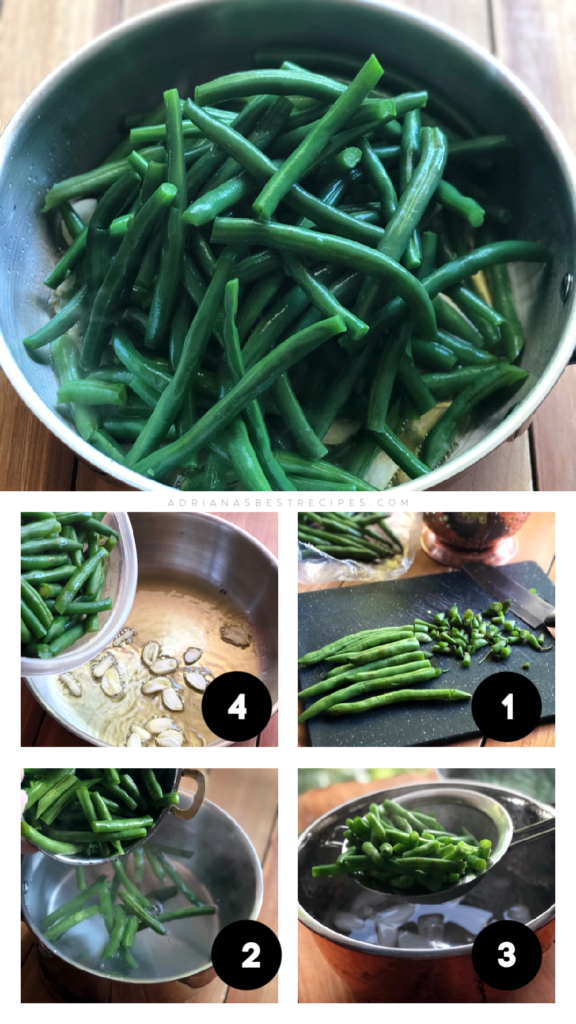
423 858
75 603
361 204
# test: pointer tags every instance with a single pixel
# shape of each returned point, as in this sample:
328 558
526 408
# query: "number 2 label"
238 707
254 949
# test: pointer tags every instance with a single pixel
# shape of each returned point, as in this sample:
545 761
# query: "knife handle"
550 619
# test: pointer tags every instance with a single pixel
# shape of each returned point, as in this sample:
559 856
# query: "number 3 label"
509 959
254 949
238 707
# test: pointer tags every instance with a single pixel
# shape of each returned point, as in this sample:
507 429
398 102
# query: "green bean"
448 385
66 923
67 318
116 934
453 200
414 661
92 392
396 697
439 440
122 274
176 878
356 689
77 580
302 158
136 907
338 250
76 903
45 843
256 380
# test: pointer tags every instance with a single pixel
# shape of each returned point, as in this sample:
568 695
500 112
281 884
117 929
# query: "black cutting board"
327 615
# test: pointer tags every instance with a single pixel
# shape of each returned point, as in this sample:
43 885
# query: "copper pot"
382 974
451 537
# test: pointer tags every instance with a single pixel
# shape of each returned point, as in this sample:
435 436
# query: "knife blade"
532 609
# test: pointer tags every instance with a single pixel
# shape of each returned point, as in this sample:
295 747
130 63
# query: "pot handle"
192 811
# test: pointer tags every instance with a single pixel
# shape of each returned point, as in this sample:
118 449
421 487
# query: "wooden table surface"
250 796
535 38
41 730
317 982
536 543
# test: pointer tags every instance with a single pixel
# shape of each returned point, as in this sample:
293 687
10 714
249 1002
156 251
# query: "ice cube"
397 915
387 934
365 934
345 922
518 913
367 904
431 926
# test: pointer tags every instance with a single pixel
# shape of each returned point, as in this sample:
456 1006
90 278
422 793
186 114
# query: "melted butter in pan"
178 612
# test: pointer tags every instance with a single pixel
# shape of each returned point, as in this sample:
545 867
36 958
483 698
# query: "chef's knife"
533 610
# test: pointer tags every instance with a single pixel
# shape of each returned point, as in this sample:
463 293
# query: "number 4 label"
238 707
508 703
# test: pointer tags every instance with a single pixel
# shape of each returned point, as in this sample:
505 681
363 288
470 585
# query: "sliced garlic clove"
134 740
71 684
151 652
111 683
142 733
163 665
192 655
234 634
195 681
170 738
156 685
159 724
125 636
172 700
102 664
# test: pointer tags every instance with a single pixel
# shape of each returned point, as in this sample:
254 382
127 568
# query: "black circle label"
246 954
506 706
236 706
506 955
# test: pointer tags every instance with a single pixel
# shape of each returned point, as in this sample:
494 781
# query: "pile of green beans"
462 635
388 661
349 535
93 812
398 850
63 568
283 251
124 908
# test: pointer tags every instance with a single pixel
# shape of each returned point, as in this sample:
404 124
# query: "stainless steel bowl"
382 974
211 549
72 119
224 870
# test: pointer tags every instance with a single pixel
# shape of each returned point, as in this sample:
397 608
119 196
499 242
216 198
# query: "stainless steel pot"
209 548
224 870
72 119
381 974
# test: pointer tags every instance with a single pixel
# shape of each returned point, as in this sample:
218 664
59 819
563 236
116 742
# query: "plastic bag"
315 566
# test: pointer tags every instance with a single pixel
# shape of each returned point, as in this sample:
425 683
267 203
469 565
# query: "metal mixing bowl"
209 548
224 870
71 121
383 974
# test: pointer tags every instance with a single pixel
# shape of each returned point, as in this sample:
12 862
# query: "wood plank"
508 468
536 40
89 479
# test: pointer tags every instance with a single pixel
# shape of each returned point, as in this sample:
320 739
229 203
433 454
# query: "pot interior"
520 887
222 868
